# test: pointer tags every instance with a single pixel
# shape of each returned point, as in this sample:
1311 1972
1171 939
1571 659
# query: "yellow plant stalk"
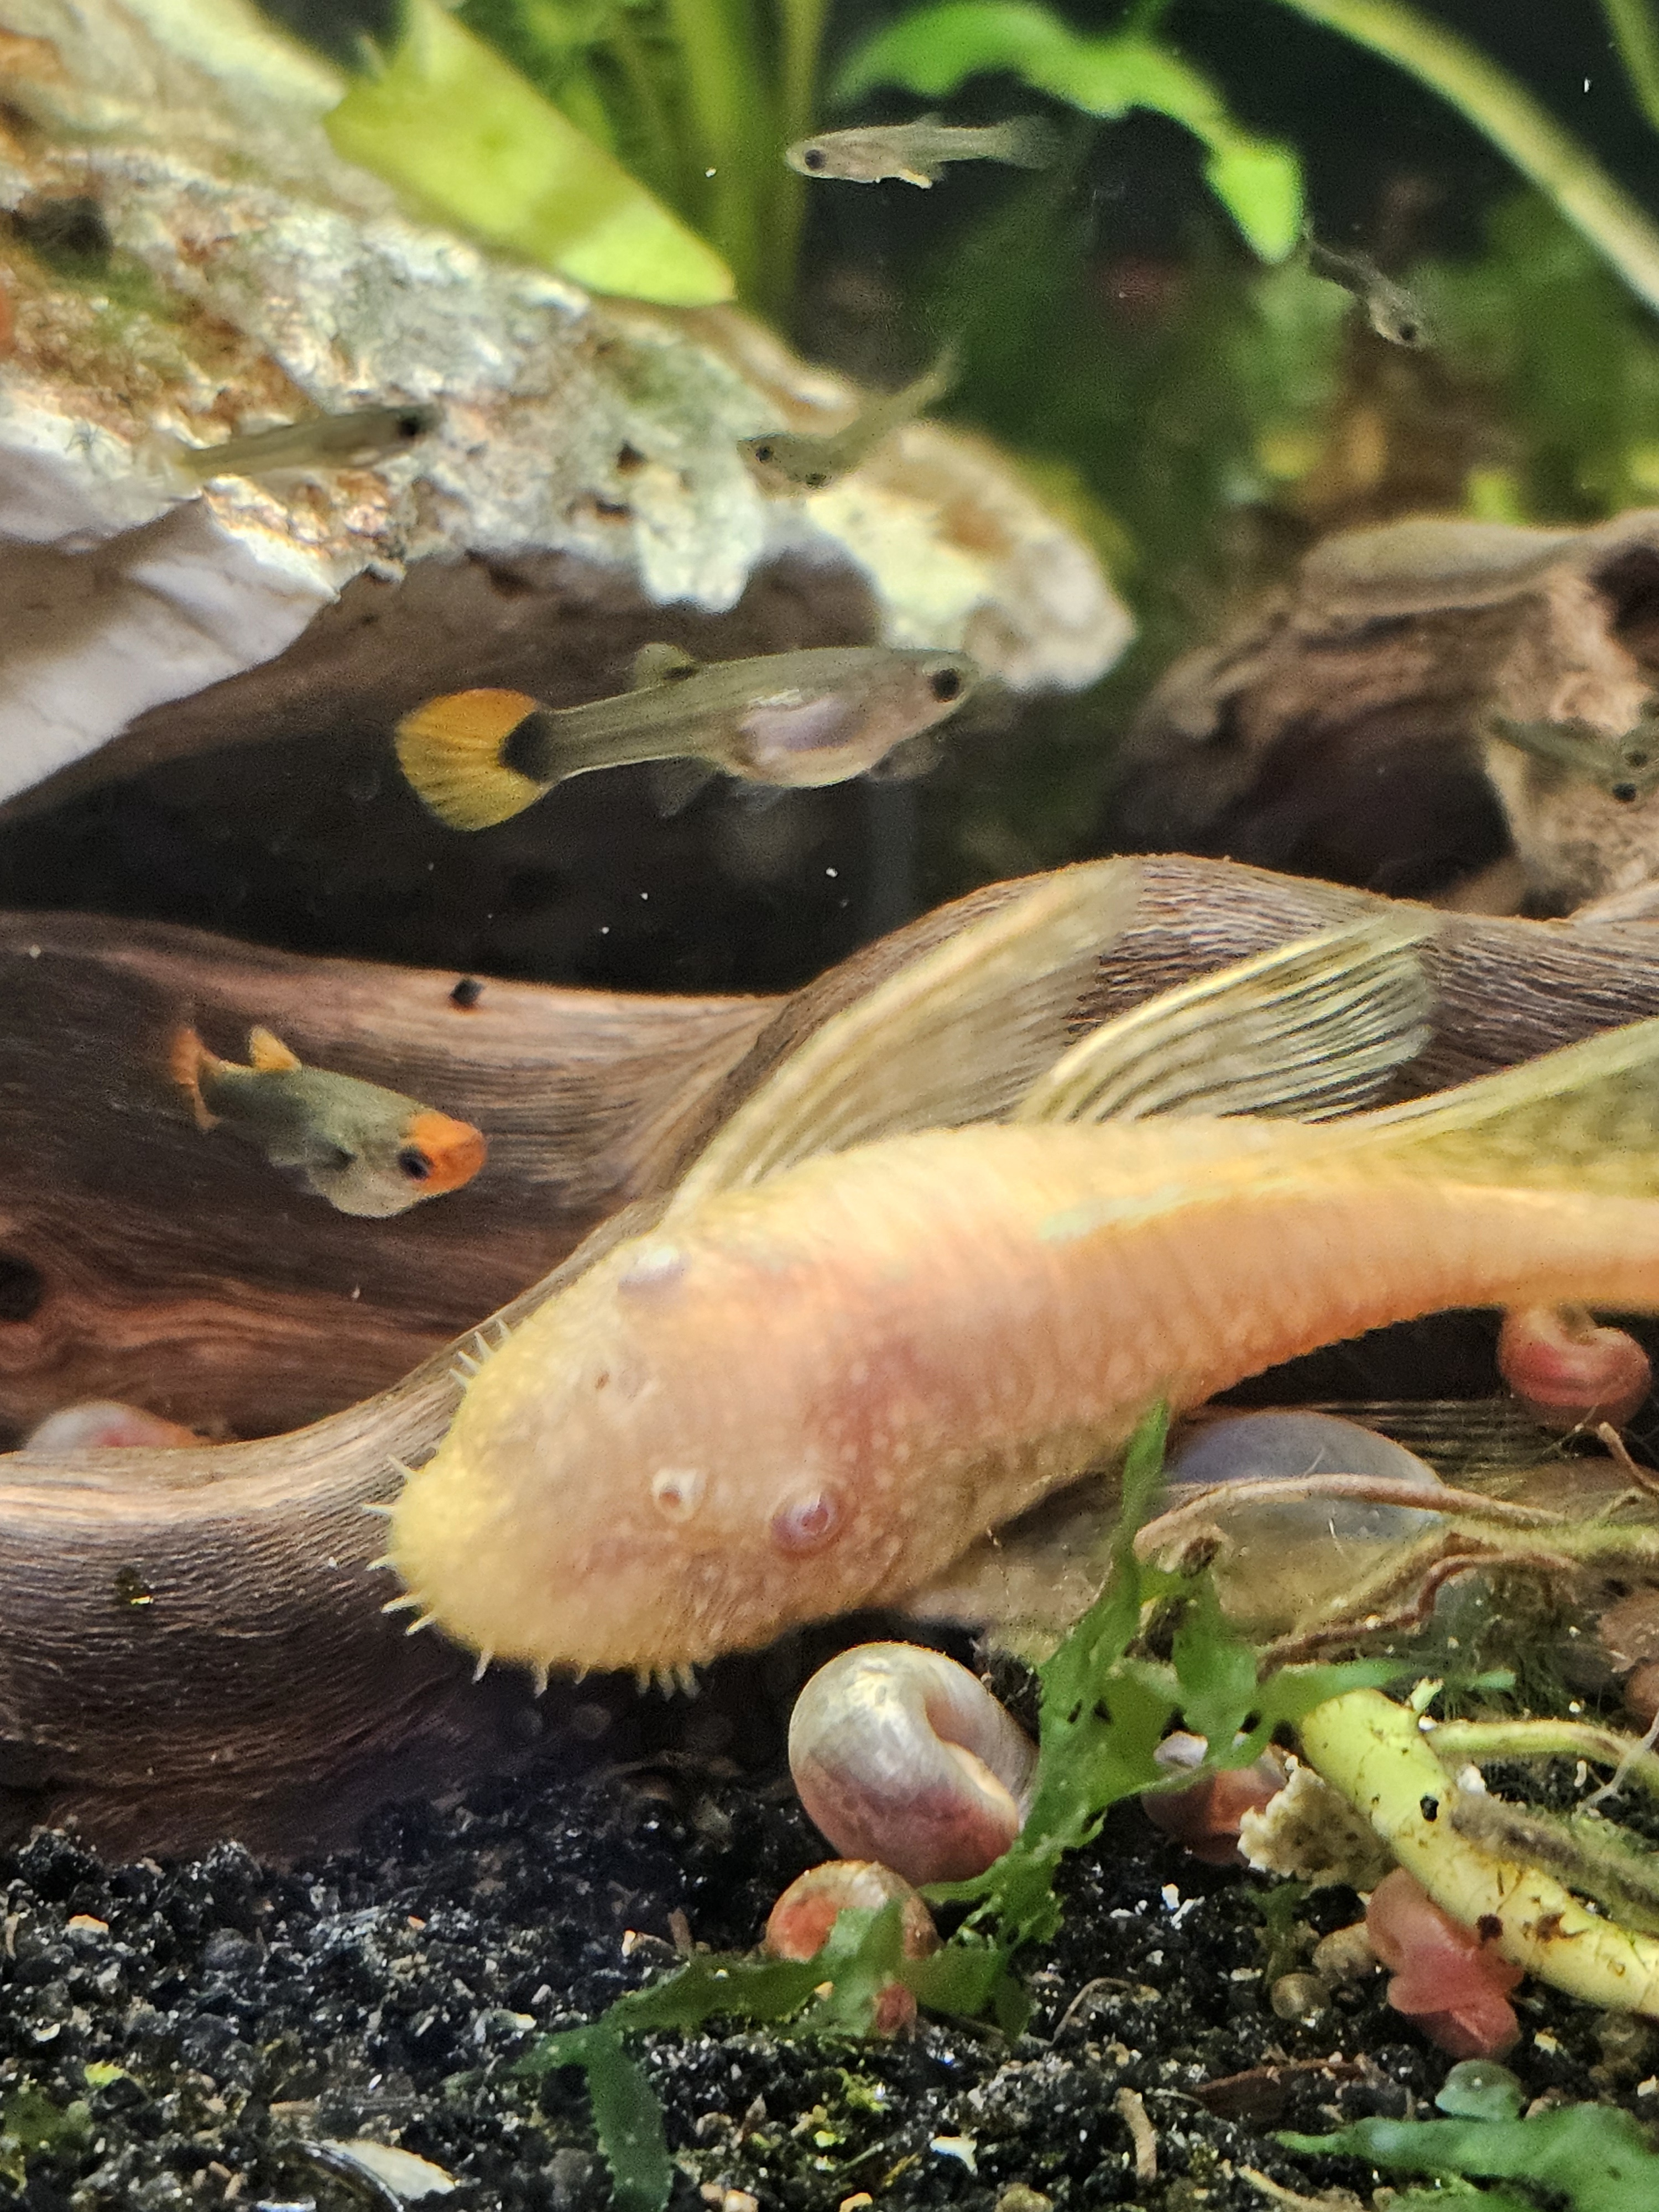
1373 1753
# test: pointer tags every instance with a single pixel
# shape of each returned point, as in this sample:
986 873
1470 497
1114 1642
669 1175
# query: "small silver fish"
355 436
1626 767
1393 312
807 460
794 719
915 153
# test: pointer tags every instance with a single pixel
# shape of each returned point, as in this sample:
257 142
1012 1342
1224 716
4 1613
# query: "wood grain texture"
1336 730
190 1642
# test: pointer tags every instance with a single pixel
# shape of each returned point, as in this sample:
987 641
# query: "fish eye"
763 453
1410 333
411 423
1636 759
813 158
415 1164
806 1522
945 683
816 480
1624 792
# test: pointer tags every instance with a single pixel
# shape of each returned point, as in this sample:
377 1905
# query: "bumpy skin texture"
902 1756
824 1389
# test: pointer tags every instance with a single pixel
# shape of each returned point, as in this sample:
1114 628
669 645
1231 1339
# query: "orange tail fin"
453 1150
187 1056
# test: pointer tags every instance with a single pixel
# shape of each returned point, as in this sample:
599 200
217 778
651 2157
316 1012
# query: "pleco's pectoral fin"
269 1054
922 177
1311 1030
661 663
955 1035
1585 1118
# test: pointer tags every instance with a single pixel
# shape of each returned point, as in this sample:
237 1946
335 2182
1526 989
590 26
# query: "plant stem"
1509 115
800 36
1637 38
725 102
663 154
1547 1738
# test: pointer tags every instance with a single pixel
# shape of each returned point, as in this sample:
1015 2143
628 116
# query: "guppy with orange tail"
366 1150
810 1388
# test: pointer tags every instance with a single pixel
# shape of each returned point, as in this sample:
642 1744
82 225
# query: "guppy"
817 1380
793 720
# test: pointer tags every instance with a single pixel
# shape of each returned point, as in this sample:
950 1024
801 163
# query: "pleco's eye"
1409 334
817 481
806 1522
813 158
1624 792
763 453
945 683
415 1164
410 425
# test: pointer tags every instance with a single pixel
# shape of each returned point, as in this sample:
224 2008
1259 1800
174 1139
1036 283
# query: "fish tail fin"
452 751
1028 142
453 1150
268 1054
1585 1118
187 1060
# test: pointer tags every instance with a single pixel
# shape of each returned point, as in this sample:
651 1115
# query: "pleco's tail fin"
451 750
1028 142
187 1056
1585 1118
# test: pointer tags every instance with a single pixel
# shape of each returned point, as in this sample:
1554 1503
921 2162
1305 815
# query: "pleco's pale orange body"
813 1395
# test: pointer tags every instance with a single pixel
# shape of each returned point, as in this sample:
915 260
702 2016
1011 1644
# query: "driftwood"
1337 730
190 1643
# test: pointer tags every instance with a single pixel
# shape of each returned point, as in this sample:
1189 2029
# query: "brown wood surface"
190 1643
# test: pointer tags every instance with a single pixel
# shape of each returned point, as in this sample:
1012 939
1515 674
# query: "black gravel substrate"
172 2036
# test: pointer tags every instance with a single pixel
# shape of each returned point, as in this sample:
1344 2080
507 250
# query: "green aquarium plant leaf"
450 122
1593 2157
1500 106
627 2115
932 51
1105 1711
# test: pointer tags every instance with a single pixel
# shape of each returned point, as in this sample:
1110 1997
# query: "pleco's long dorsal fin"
955 1035
1311 1030
267 1053
661 663
1584 1118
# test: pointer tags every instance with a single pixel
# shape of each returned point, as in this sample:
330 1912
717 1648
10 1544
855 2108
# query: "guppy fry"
807 460
354 435
915 152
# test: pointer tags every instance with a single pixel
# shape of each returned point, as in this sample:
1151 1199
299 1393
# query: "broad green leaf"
453 123
933 49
